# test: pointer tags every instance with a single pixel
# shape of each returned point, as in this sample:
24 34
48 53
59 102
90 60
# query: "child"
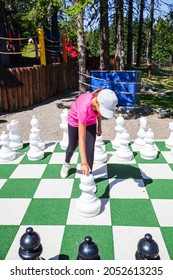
84 122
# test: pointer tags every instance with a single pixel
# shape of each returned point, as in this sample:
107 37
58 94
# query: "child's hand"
85 168
99 132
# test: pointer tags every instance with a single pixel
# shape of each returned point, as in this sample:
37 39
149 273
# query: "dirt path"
48 114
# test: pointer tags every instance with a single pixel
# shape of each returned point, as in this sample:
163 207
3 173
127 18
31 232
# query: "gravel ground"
48 114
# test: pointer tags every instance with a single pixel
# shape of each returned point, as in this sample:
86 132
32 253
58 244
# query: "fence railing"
39 83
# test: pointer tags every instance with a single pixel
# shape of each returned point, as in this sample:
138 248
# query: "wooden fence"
39 83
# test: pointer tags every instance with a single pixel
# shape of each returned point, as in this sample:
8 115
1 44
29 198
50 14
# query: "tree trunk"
139 44
81 53
104 36
119 51
149 58
130 34
4 58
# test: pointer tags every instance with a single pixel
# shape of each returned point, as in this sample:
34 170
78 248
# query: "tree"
149 58
139 44
104 36
119 50
130 34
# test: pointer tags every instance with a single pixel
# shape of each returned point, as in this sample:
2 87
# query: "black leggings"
73 143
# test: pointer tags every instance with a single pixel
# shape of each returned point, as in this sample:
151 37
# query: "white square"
113 159
103 218
51 239
2 182
49 146
168 156
12 211
126 240
164 211
59 158
99 171
54 188
29 171
17 160
127 188
156 171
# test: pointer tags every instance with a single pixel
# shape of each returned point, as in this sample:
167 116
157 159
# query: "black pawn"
30 246
88 250
147 249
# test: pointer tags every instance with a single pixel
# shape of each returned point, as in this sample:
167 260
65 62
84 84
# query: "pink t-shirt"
81 111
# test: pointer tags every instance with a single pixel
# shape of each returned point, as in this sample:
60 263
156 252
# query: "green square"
160 159
6 170
7 235
76 192
45 160
167 233
58 149
53 171
102 188
123 171
25 148
47 212
133 212
159 188
161 146
19 188
108 146
171 166
74 236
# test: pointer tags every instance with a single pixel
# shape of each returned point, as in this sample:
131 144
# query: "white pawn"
169 140
149 150
14 135
6 153
64 127
123 153
140 142
35 129
119 129
88 204
35 152
100 155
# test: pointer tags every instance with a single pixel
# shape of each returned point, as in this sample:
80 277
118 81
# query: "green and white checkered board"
136 196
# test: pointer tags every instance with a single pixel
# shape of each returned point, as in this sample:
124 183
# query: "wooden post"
42 46
64 51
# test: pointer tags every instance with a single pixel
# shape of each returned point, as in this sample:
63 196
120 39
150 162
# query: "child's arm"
99 125
82 147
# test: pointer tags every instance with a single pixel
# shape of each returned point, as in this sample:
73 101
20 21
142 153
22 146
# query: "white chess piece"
140 142
123 153
36 130
100 155
88 205
119 129
169 140
64 127
149 150
6 153
14 135
35 152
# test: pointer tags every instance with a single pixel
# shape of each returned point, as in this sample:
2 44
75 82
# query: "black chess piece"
88 250
147 249
30 246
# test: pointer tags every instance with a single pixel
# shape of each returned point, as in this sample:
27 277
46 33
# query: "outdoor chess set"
128 195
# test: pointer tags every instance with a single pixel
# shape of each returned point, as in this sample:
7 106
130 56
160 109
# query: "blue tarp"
125 83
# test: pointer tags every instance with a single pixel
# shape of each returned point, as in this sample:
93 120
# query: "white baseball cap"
108 102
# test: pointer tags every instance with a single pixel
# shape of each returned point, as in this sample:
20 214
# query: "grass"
161 84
